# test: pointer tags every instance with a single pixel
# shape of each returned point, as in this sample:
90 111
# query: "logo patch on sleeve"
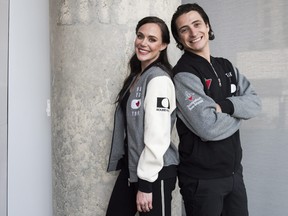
193 100
163 104
189 96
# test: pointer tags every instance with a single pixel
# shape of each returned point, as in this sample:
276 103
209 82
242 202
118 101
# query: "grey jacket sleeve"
198 111
247 103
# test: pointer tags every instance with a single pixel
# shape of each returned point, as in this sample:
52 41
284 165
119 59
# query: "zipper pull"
219 81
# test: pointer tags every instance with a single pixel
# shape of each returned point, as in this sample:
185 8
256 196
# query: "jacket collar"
197 57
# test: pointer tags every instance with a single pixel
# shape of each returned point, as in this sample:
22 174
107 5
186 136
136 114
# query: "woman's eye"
139 36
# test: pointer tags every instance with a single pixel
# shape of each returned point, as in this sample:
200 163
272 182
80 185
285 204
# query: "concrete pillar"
91 43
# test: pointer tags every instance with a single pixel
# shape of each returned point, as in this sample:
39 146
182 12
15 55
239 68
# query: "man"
212 99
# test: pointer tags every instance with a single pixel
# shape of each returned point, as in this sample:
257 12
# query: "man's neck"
203 53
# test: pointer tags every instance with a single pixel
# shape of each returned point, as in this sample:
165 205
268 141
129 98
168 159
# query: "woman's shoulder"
158 70
160 76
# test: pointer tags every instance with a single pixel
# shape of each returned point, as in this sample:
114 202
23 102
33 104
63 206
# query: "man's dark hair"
185 8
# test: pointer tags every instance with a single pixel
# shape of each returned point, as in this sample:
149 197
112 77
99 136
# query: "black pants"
123 198
214 197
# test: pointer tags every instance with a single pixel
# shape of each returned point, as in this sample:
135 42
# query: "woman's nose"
143 42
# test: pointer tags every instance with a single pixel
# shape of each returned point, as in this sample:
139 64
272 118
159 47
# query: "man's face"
193 33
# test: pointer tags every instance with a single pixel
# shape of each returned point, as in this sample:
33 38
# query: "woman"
144 117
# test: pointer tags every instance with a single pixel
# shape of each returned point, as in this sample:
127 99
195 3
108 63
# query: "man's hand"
144 201
218 108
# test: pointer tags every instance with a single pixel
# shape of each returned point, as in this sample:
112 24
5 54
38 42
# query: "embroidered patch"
189 96
135 104
229 74
208 83
138 91
163 104
193 101
233 88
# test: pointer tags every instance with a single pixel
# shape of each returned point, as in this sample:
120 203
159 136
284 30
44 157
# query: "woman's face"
148 44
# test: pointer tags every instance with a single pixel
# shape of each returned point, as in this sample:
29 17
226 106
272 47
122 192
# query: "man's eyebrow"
193 22
182 27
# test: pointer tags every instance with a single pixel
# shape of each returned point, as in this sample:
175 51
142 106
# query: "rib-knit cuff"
144 186
226 106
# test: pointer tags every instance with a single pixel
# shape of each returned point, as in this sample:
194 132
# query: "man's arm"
198 111
247 103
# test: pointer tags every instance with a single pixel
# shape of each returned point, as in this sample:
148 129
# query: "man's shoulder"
190 64
184 64
222 61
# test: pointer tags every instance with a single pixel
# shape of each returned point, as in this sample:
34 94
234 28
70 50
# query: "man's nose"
192 32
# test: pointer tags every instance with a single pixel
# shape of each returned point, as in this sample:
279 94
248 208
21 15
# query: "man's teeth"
196 40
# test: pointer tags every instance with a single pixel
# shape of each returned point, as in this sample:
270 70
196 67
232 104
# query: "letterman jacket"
209 141
151 115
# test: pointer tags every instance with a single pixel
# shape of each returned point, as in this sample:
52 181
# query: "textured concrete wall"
91 42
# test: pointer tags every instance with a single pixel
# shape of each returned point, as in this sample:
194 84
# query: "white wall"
29 136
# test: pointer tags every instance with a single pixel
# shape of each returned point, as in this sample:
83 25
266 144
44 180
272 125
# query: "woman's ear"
163 46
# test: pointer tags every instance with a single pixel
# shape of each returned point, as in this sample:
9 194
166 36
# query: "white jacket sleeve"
159 103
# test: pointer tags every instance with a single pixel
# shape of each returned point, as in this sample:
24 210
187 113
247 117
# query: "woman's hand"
144 201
